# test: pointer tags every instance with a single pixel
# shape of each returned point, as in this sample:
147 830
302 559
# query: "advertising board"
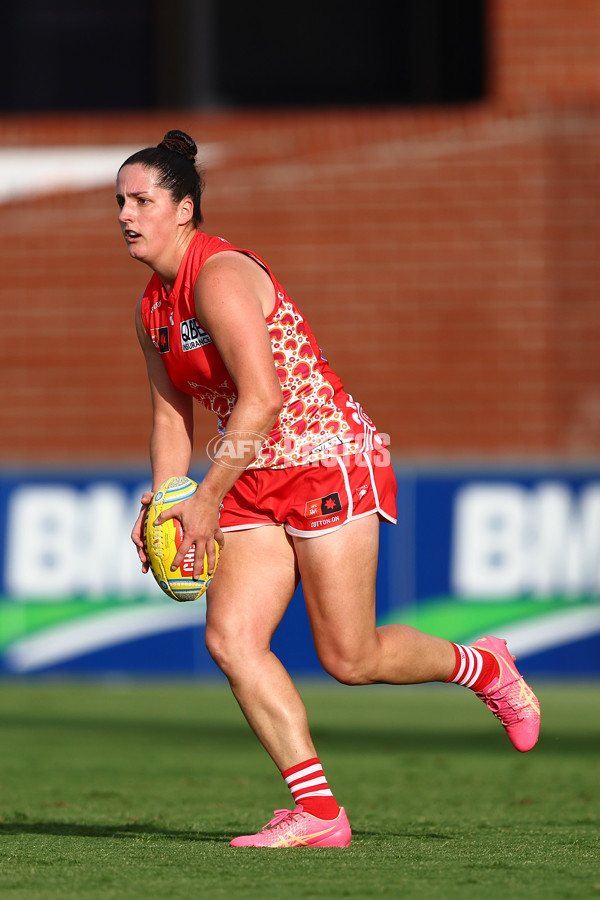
510 552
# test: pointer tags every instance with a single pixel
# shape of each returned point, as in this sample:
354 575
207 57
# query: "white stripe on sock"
303 773
307 784
470 666
478 668
310 781
326 793
469 672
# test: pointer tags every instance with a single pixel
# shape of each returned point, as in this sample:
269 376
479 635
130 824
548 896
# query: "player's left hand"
138 530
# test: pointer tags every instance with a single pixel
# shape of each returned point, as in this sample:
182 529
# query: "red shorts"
309 500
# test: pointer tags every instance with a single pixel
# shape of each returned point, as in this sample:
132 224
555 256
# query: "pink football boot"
510 698
295 828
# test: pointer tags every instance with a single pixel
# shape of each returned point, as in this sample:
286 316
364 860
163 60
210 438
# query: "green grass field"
134 790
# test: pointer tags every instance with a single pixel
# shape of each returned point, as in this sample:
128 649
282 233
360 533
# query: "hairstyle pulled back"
174 162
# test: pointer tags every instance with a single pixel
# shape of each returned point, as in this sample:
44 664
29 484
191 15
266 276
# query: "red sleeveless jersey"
318 420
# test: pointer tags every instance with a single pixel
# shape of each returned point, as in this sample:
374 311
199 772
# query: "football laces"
157 542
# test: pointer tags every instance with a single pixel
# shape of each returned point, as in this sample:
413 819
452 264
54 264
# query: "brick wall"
545 52
460 242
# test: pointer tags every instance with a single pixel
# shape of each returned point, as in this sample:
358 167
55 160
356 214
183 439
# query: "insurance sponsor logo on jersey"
323 506
193 335
160 339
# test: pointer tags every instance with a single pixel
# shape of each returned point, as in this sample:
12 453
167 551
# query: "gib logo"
511 540
236 449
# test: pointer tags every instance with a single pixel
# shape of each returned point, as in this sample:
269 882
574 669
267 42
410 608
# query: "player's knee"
220 647
347 670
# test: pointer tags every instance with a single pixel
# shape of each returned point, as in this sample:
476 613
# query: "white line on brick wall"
457 140
34 171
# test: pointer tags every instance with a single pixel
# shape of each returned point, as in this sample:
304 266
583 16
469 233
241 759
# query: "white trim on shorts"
227 528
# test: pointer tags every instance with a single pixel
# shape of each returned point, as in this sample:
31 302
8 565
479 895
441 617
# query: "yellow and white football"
163 541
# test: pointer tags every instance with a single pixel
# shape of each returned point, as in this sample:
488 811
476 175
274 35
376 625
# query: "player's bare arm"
172 429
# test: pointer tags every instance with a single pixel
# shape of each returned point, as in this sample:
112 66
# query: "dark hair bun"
180 142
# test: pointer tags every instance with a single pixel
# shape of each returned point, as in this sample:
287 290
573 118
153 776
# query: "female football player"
299 485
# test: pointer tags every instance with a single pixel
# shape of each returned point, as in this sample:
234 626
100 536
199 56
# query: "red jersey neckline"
170 297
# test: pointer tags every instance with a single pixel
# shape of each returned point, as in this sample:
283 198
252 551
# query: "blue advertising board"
510 552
